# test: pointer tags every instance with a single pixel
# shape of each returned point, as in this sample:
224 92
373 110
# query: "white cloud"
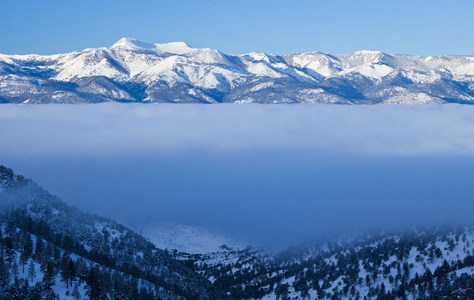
324 129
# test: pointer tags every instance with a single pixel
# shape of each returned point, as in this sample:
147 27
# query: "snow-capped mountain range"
133 71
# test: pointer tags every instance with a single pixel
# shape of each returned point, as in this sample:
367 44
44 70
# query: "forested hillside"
428 263
49 248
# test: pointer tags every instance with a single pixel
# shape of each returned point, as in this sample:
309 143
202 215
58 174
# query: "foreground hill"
133 71
50 248
436 263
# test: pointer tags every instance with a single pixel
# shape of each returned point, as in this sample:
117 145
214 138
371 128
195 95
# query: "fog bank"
324 129
266 171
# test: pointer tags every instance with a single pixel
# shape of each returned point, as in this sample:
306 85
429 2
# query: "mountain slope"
186 238
133 71
96 254
49 249
429 263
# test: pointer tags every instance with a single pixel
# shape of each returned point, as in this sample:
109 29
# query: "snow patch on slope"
174 47
375 71
186 238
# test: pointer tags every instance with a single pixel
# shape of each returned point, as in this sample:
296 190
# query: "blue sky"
240 26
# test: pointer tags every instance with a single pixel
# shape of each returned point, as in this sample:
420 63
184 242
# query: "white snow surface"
133 44
176 62
186 238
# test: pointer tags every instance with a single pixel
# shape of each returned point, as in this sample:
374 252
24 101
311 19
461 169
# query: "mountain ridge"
134 71
107 260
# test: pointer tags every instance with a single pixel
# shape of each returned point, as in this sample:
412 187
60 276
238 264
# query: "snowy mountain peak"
134 44
368 52
365 56
174 47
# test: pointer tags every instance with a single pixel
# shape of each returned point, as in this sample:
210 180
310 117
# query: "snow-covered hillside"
186 238
436 263
133 71
51 250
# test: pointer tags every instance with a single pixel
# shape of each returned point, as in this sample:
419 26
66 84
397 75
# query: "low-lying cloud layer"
269 171
324 129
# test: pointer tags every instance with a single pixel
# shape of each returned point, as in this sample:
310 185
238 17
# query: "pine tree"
10 254
4 273
49 276
27 250
32 270
15 270
93 285
68 272
75 292
23 260
38 248
1 243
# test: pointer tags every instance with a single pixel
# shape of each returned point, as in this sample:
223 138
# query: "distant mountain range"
133 71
